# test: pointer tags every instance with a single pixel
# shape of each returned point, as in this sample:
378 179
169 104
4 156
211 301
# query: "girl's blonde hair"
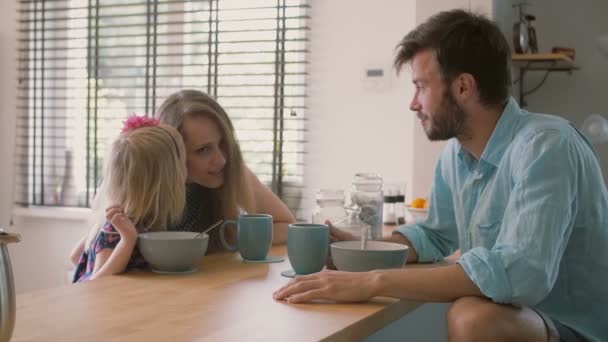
193 103
144 173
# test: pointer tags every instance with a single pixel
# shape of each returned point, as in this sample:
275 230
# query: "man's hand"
116 215
346 287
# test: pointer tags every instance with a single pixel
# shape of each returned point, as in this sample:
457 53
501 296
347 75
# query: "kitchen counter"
226 300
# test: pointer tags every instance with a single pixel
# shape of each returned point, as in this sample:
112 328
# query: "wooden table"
227 300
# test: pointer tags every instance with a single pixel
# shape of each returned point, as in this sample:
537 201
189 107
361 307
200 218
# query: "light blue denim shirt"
530 218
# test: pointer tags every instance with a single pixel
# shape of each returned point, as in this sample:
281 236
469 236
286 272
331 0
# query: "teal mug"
253 237
307 247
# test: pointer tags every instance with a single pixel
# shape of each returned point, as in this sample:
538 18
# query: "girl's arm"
266 202
113 261
77 251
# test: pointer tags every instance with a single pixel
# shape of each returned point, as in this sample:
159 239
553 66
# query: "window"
85 65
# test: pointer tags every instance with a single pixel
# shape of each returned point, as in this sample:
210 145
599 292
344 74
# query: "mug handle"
226 245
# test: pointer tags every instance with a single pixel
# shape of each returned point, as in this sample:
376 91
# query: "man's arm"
431 284
436 237
412 255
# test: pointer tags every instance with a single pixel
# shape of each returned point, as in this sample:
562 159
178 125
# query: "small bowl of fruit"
418 209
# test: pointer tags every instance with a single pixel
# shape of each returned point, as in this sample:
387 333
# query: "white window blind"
85 65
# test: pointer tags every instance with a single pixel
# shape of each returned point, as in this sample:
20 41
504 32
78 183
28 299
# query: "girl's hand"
336 234
116 215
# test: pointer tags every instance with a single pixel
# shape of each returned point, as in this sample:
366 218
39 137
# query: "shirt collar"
501 138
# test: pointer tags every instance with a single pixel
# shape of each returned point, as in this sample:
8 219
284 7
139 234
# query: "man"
520 194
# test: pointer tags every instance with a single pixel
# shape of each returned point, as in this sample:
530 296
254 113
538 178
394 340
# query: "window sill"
66 213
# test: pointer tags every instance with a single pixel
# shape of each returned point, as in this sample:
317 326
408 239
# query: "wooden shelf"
543 61
548 62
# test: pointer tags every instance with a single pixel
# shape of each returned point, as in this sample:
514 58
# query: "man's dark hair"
463 42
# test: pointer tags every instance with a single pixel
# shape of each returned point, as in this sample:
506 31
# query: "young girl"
142 190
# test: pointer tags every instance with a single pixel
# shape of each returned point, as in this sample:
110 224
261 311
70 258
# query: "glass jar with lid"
366 193
352 222
329 206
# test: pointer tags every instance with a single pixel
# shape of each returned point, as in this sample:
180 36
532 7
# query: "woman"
219 183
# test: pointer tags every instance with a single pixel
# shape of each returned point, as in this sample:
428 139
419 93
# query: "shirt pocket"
486 232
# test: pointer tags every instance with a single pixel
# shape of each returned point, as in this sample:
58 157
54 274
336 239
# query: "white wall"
571 24
355 125
40 260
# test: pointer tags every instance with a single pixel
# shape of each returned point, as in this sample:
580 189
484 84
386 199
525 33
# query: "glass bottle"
400 209
400 203
329 206
366 193
389 210
389 215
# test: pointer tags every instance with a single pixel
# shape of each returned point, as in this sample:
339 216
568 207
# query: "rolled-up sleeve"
437 236
522 266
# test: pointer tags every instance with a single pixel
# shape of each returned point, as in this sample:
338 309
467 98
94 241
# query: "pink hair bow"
137 121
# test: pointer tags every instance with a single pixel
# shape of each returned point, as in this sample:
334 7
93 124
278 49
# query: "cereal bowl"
417 213
348 255
173 252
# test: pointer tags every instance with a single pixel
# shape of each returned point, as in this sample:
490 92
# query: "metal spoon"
364 237
208 229
339 221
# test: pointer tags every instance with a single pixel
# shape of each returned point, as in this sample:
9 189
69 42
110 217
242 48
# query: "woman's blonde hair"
144 173
193 103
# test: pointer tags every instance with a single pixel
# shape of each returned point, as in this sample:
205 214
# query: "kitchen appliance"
524 34
7 287
532 40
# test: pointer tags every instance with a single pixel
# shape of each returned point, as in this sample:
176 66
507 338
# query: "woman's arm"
266 202
77 251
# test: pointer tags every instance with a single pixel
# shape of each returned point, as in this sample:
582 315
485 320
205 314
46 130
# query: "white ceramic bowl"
417 213
348 255
172 251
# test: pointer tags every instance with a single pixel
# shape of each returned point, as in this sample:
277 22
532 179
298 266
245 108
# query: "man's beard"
448 121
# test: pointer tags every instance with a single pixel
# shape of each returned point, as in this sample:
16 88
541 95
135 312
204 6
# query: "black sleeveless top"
200 213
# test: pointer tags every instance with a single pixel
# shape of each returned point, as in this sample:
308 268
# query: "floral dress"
107 237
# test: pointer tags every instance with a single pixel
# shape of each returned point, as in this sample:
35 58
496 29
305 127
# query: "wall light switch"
376 80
